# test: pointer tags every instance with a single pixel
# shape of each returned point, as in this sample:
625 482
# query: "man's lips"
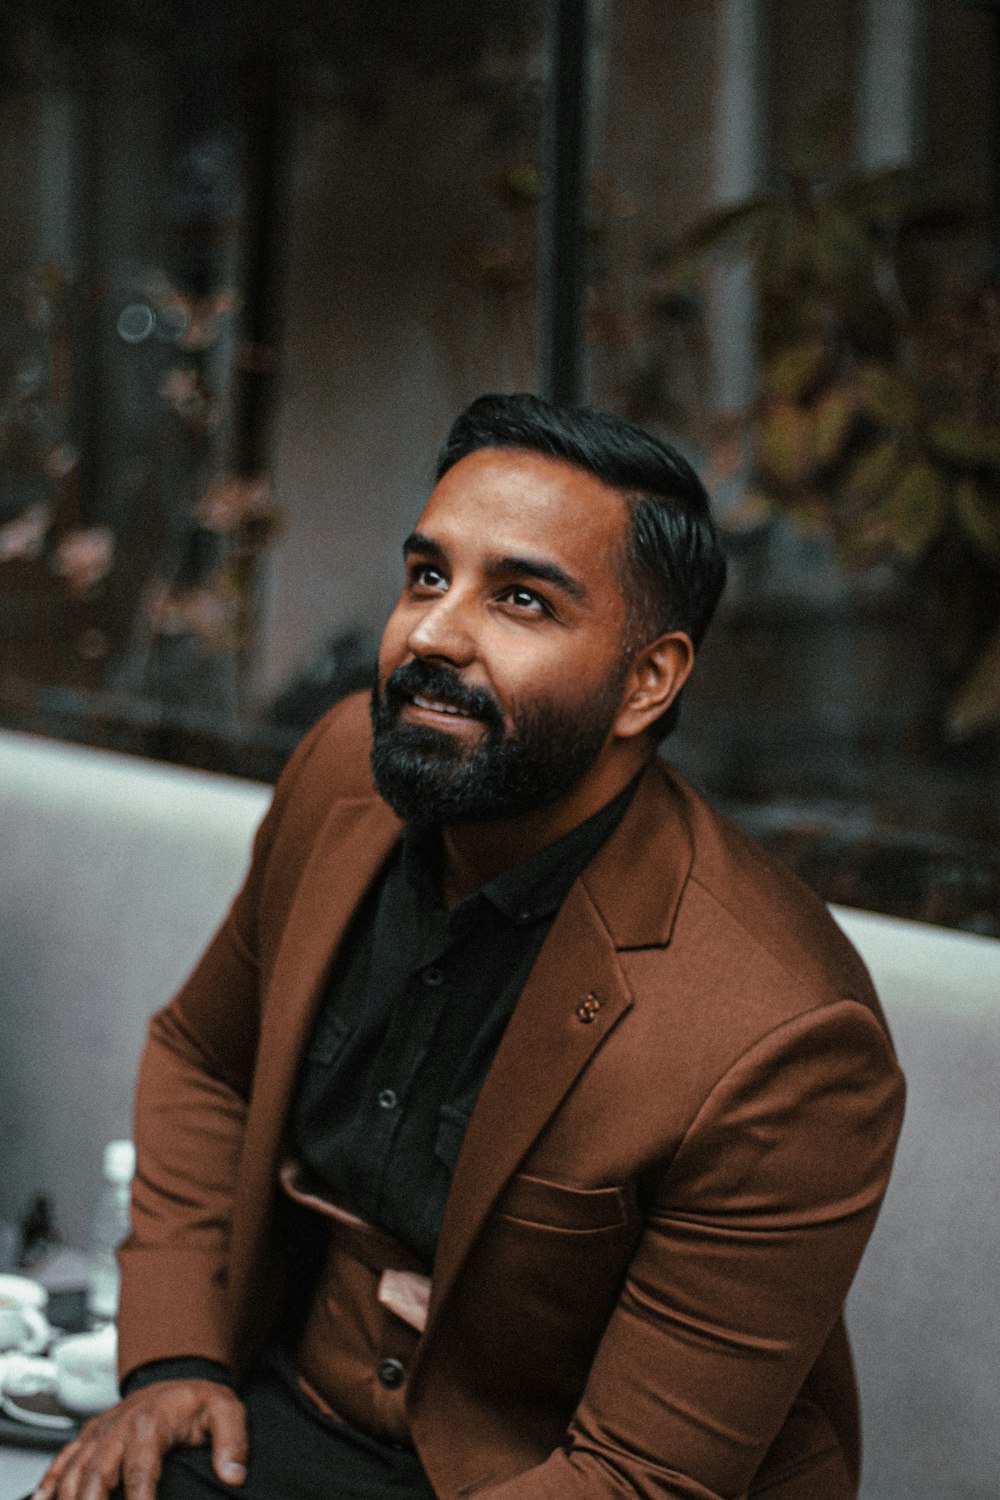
438 706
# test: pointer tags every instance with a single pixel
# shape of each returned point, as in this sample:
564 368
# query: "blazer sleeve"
751 1240
191 1103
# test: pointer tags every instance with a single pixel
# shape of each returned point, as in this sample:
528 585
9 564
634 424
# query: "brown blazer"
662 1196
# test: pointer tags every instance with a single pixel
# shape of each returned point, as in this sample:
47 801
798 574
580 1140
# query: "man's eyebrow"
536 567
418 542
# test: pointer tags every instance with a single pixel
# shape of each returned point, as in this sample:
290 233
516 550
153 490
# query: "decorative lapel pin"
588 1007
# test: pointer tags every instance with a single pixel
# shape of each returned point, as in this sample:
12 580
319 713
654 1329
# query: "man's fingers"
127 1444
46 1486
95 1473
81 1479
96 1483
226 1421
143 1459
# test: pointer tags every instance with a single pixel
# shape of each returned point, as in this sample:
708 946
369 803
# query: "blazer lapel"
347 855
576 993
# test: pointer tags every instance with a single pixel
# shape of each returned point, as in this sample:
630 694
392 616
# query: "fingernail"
233 1473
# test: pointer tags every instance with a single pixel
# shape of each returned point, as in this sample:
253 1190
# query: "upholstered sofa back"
924 1312
114 872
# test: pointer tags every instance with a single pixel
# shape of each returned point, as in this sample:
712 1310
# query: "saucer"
28 1393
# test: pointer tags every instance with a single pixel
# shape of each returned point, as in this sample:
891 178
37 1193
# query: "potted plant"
875 422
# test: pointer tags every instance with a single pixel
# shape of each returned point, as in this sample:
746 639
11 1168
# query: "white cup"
86 1370
23 1324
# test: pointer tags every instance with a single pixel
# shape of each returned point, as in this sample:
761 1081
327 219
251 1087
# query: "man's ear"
655 677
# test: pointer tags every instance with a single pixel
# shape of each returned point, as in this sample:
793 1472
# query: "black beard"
429 776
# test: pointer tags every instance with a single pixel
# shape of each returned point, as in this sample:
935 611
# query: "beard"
432 776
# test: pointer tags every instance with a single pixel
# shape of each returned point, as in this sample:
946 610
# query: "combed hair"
673 566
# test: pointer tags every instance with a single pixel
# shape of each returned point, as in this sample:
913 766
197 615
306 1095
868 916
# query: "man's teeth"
438 708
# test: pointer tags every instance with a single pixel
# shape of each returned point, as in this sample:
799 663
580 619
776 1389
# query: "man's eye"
526 600
427 577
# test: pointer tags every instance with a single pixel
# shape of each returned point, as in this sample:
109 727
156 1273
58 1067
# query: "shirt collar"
536 886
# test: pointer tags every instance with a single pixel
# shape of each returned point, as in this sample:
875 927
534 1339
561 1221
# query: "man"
520 1141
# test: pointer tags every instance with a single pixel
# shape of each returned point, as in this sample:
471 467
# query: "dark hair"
673 567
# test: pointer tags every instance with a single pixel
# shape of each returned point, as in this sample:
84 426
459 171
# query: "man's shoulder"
762 918
334 757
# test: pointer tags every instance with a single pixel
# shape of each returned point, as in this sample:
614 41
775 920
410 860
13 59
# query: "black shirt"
414 1011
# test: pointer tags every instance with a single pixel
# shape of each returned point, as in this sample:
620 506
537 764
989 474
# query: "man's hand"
126 1445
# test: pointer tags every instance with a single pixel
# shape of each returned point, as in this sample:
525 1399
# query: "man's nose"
444 631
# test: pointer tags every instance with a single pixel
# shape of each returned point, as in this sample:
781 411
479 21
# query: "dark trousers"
297 1454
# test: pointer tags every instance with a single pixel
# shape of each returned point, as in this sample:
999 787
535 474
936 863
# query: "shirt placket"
411 1032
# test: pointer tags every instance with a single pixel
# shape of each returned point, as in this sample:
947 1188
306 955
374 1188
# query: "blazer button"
391 1374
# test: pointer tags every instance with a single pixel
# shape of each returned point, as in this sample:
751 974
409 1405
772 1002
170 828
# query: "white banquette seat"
114 872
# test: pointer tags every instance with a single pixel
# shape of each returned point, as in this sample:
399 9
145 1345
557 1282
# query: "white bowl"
86 1370
23 1324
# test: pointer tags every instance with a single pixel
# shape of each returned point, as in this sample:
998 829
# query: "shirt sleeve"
191 1367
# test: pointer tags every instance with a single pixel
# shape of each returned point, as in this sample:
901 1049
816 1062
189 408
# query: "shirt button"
432 977
387 1099
391 1374
525 914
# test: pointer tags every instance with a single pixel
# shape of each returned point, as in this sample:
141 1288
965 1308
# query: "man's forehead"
519 493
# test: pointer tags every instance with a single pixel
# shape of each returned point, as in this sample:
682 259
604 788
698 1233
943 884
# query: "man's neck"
475 853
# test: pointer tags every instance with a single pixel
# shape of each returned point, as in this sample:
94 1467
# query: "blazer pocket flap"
326 1041
452 1125
551 1205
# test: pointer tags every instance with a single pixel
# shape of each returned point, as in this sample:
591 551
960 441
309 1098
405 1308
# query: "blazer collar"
637 878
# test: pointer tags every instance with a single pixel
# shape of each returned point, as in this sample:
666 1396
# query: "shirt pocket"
538 1203
328 1039
452 1125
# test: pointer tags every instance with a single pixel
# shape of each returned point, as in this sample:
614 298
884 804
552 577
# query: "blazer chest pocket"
535 1202
549 1266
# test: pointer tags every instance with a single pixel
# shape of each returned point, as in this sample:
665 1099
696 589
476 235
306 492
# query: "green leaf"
833 420
788 374
785 246
893 193
979 516
727 235
874 472
784 445
842 254
888 397
976 705
521 182
973 445
730 229
914 510
811 514
822 138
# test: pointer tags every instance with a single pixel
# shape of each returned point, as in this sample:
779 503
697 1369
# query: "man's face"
501 668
